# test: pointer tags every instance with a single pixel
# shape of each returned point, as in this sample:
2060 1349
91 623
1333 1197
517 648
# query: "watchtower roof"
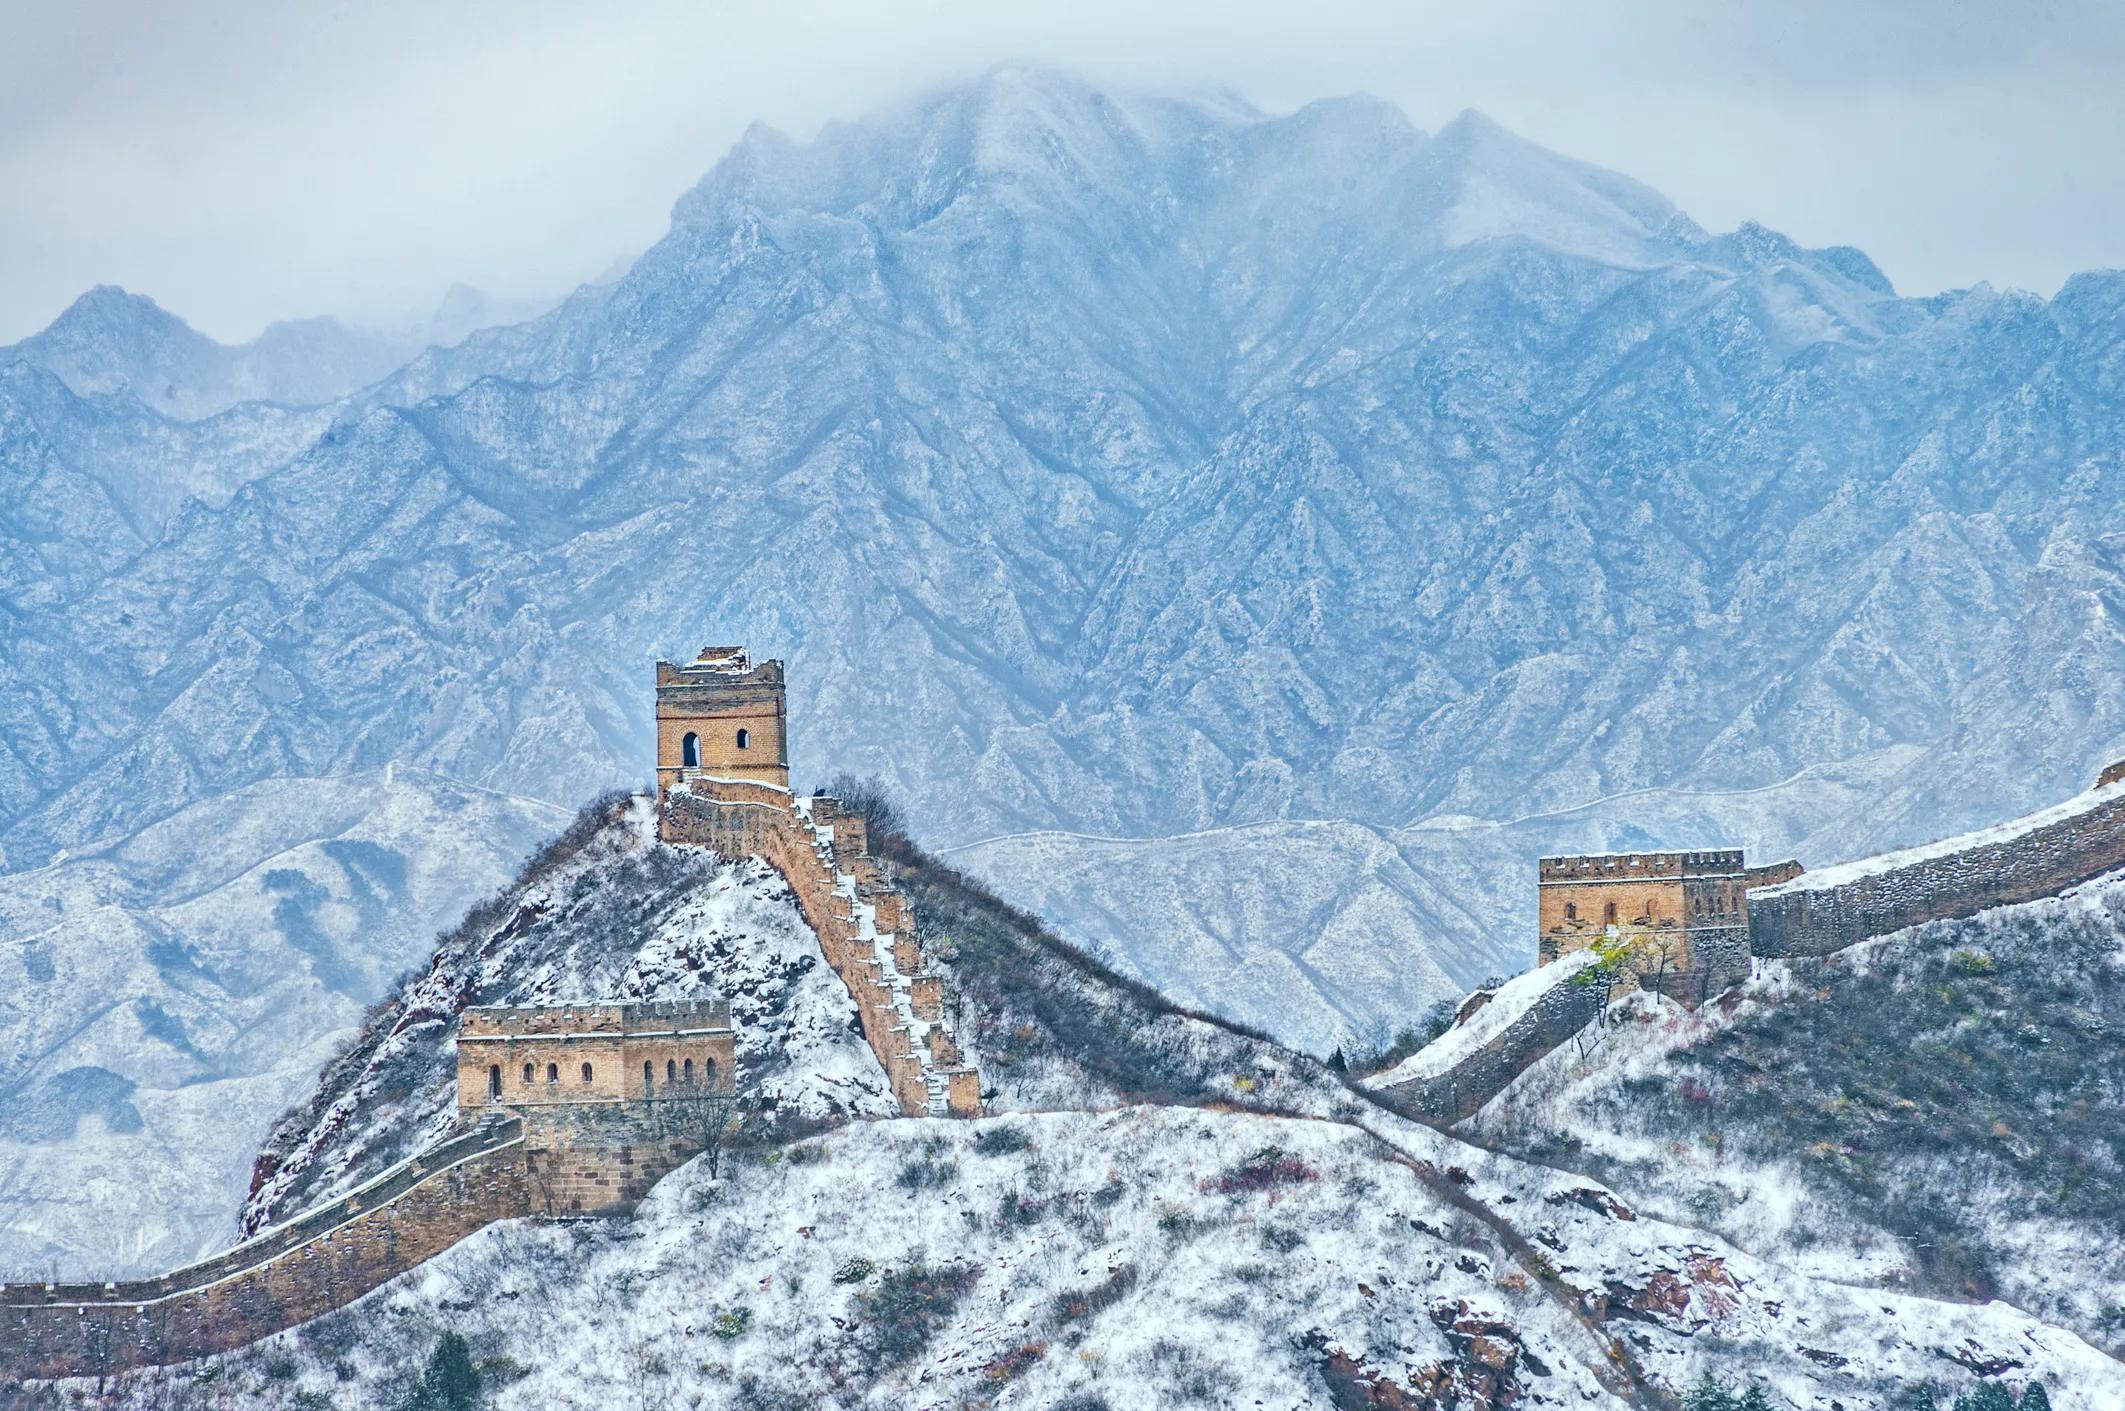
731 660
718 667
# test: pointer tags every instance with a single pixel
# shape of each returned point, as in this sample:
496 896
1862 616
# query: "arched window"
1608 916
710 1065
649 1076
586 1072
690 751
528 1071
745 739
494 1080
1571 911
689 1070
553 1072
671 1070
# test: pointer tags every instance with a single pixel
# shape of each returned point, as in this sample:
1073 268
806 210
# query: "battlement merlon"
634 1019
1704 864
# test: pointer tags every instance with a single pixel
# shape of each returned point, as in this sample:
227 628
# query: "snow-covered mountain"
116 345
1151 466
1119 466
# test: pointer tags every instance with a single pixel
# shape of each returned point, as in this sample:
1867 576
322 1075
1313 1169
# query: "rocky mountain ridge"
1108 466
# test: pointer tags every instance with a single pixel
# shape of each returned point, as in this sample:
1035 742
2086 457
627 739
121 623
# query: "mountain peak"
109 308
1504 185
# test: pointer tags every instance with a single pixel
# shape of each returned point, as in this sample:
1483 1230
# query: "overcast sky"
252 160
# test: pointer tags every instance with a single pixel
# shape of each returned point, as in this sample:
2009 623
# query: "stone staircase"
863 922
893 966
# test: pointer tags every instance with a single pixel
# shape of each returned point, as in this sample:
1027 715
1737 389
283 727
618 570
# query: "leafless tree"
870 797
702 1121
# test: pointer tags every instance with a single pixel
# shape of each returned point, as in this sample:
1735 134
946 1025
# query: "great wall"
563 1110
1690 924
723 783
577 1110
553 1129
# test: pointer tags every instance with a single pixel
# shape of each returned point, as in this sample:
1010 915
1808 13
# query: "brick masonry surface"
864 925
1809 921
322 1260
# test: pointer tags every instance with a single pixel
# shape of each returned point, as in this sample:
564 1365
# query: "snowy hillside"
163 998
1160 1210
605 910
1135 1258
1937 1110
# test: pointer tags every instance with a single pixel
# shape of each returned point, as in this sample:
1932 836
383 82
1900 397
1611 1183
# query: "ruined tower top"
721 717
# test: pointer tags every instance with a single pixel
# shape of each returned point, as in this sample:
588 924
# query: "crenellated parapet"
566 1110
1684 914
863 922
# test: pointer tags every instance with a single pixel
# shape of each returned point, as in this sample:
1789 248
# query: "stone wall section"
1788 911
864 924
1462 1091
1817 915
321 1260
540 1161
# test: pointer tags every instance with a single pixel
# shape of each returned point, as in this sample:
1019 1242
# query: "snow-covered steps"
862 922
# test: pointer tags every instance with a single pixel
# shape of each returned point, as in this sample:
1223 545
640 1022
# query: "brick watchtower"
540 1055
720 717
609 1096
1688 910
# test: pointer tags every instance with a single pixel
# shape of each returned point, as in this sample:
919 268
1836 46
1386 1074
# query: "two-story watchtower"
721 717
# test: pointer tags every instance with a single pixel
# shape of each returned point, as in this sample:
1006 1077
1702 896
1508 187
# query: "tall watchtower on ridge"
721 717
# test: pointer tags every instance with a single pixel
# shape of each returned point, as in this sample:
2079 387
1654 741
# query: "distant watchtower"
1689 911
720 717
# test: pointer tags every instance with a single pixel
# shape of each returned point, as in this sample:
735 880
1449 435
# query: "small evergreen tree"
1754 1399
1711 1394
451 1382
2035 1398
1925 1399
1986 1396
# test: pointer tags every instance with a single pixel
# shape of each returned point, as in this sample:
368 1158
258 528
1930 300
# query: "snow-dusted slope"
162 998
1257 1231
1135 1258
1936 1110
603 913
